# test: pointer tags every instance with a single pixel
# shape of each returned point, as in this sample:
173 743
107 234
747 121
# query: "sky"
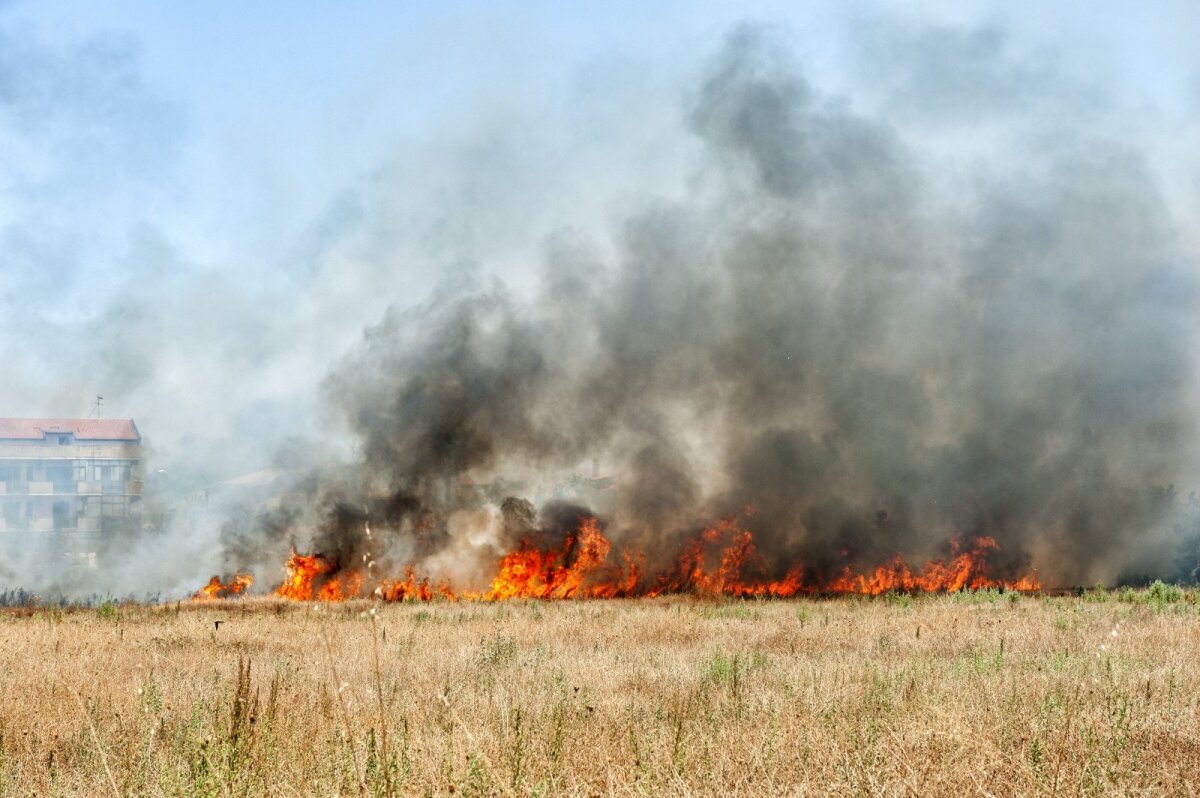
203 206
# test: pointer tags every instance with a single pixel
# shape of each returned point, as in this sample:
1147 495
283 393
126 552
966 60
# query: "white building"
68 474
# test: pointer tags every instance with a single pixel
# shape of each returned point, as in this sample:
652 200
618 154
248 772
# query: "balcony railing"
88 524
131 487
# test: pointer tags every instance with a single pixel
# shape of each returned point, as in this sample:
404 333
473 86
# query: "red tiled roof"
84 429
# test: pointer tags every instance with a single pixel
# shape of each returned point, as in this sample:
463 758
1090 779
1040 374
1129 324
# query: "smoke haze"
950 299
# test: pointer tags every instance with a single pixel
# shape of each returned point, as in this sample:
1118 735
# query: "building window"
61 513
80 473
63 440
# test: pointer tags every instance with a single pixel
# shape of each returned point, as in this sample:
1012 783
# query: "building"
68 475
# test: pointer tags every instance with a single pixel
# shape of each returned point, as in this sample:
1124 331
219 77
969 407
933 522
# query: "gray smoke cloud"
945 300
821 331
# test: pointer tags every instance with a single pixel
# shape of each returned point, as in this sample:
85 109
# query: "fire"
965 570
216 589
576 570
738 571
412 588
303 571
312 577
722 560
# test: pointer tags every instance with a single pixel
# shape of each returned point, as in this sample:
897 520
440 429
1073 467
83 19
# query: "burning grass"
721 560
978 692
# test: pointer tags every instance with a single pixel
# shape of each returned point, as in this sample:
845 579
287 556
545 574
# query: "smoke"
820 332
947 300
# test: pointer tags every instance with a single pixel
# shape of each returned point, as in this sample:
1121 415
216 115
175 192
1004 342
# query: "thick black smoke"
822 331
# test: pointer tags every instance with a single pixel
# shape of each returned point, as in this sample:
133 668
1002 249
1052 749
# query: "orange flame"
966 570
576 570
216 589
739 570
721 560
303 570
412 588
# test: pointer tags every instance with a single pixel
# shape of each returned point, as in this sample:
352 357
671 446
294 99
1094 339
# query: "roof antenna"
96 406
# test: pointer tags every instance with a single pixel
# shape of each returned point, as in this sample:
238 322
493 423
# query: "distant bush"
19 597
499 649
984 595
1158 595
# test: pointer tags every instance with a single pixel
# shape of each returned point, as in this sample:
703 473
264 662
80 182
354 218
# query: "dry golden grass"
938 695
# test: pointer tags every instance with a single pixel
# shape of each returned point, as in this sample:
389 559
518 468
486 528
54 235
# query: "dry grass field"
969 694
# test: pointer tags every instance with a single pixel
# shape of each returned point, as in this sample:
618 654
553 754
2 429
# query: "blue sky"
299 100
202 205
